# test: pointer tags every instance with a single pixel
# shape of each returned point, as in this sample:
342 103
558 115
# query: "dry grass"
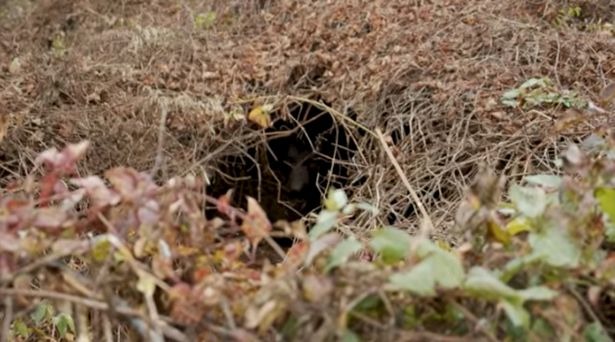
429 75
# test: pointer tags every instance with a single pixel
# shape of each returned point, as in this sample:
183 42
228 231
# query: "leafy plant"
539 92
525 254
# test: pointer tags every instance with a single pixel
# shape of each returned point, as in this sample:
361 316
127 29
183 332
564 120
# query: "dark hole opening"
303 156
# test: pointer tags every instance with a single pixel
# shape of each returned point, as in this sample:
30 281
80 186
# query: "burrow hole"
304 153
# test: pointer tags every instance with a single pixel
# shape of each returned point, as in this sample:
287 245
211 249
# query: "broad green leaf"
21 329
101 249
542 329
485 285
64 323
419 280
391 243
436 268
531 201
516 313
514 266
518 225
324 222
511 94
548 181
447 267
606 198
594 332
536 82
554 246
509 98
342 252
510 102
336 200
350 336
42 312
320 244
537 293
498 232
610 232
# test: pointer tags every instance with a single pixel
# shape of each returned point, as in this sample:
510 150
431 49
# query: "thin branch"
427 226
8 318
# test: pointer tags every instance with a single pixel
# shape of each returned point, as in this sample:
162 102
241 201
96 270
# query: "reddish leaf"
224 204
63 162
129 183
149 213
296 254
48 184
50 218
200 273
255 225
98 192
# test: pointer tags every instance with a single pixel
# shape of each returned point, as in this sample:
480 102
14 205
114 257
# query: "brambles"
158 250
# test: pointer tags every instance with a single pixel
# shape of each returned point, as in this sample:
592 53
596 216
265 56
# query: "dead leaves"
607 95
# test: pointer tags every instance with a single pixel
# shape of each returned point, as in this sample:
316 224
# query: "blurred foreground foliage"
121 257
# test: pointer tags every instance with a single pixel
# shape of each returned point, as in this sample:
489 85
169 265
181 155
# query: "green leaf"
484 284
536 82
530 201
418 280
610 232
324 222
342 252
516 313
391 243
21 329
367 207
437 268
336 200
100 251
509 98
511 94
205 20
547 181
542 330
64 323
518 225
43 312
554 246
537 293
350 336
510 103
594 332
606 199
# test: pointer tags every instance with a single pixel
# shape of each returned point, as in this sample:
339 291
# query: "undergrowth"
86 258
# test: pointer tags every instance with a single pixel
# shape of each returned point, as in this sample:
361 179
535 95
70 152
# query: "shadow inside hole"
302 157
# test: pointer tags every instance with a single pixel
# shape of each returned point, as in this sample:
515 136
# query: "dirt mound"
167 87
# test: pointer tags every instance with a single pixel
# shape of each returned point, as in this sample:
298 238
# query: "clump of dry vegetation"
398 105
